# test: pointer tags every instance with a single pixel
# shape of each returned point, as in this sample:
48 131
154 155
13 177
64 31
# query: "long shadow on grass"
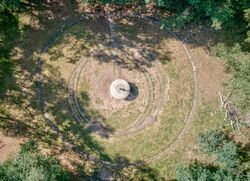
138 45
44 17
20 44
9 31
81 136
76 132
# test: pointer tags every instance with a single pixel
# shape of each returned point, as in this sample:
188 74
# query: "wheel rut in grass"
146 119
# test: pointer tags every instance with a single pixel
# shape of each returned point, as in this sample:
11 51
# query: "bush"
229 155
211 141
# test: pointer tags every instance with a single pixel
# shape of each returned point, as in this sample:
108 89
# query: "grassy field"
179 82
142 48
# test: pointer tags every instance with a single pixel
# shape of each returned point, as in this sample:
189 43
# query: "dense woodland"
229 17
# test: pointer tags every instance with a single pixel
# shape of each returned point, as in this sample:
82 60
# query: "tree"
228 163
9 5
199 172
30 165
247 18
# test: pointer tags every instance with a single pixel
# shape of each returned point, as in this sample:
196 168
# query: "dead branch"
231 112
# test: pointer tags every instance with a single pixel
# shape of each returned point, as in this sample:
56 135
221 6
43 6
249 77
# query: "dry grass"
208 115
84 38
175 109
8 147
176 105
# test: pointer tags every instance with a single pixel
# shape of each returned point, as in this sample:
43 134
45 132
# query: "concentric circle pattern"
144 102
147 122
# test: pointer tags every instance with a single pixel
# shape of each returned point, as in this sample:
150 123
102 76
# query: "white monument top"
119 89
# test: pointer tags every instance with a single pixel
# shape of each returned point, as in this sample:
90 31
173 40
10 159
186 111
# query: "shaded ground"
22 114
153 137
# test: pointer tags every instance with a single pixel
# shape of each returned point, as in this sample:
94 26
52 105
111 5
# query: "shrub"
210 142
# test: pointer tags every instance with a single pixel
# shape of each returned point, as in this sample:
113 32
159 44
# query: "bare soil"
9 146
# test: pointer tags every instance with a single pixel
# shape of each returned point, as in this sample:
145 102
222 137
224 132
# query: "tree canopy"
30 165
230 160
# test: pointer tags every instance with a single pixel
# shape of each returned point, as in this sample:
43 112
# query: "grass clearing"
147 142
90 39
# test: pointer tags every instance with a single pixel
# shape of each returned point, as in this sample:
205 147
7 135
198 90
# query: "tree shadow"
84 141
205 36
9 32
43 18
137 47
127 170
95 122
20 44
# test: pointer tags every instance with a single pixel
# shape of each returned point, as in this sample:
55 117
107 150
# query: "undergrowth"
238 64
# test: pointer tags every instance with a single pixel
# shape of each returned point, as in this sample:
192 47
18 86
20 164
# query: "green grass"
146 142
83 38
154 139
208 116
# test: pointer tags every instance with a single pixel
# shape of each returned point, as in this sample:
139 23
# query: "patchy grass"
152 140
175 68
143 144
133 36
208 115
